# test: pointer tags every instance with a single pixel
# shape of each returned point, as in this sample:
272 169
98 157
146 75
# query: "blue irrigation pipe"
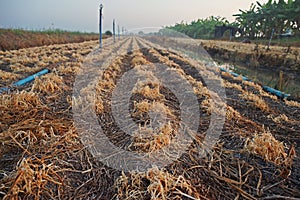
278 93
25 80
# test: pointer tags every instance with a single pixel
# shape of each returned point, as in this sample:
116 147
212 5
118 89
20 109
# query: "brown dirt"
42 157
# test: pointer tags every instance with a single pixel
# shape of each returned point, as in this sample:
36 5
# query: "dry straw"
266 146
154 184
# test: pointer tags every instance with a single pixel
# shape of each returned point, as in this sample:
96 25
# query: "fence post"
114 30
100 25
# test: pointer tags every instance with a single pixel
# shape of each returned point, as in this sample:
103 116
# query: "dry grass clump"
99 107
266 146
34 133
107 82
69 68
20 68
21 100
280 118
154 184
18 106
105 86
232 113
32 180
166 60
207 105
252 84
200 90
162 109
267 94
150 140
292 103
138 60
49 83
37 172
257 101
162 125
110 74
140 108
8 76
233 85
260 89
38 138
150 90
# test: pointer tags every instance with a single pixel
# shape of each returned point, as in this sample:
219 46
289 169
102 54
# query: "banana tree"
248 21
261 19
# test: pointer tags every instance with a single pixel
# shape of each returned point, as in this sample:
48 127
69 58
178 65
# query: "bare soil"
42 156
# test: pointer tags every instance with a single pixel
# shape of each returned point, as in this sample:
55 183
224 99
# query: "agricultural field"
11 39
43 156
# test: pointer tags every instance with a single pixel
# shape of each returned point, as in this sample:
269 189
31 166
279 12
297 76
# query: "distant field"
17 39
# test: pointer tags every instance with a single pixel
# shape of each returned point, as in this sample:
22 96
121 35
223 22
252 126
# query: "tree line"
260 21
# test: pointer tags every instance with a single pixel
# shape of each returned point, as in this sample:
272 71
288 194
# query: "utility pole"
100 25
118 31
114 30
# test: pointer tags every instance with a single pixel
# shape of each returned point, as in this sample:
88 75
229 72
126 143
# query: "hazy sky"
83 15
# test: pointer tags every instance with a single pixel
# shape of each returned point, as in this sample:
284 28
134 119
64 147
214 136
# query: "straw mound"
266 146
255 100
48 84
19 107
154 184
149 90
8 76
32 177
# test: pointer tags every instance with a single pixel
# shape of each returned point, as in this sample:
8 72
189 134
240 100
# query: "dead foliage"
266 146
154 184
41 155
256 100
49 83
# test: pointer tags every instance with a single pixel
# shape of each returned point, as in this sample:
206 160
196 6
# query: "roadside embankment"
255 55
